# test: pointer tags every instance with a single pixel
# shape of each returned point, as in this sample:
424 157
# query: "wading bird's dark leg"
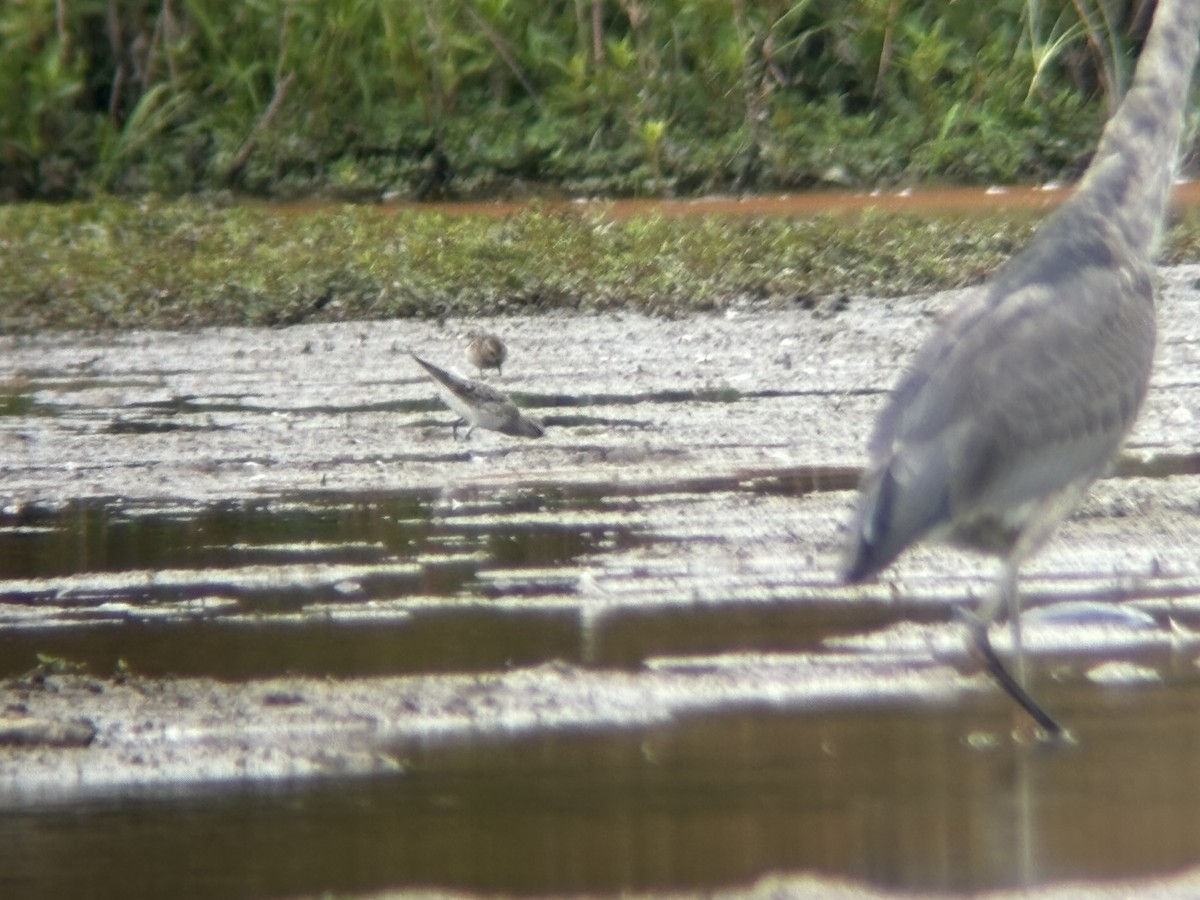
1012 687
1008 600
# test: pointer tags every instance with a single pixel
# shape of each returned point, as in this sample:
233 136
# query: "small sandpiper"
486 351
480 405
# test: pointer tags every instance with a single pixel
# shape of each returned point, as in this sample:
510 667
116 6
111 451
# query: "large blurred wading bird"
1026 393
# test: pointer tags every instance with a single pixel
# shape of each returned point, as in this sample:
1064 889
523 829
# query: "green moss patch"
183 263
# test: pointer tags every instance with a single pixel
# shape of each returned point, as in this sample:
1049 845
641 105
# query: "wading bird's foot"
982 646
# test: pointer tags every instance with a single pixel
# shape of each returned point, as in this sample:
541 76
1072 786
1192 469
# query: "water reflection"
455 640
892 797
341 584
99 536
484 579
309 584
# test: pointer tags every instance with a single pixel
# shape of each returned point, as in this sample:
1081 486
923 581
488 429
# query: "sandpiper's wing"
482 405
486 351
467 391
494 350
521 425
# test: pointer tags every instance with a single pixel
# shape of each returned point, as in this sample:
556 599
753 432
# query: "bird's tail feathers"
894 512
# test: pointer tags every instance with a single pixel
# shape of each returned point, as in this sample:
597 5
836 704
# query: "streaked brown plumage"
1025 395
486 351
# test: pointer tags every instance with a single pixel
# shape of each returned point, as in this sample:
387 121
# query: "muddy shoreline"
634 405
717 453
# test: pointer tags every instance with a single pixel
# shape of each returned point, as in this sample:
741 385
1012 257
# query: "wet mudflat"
325 646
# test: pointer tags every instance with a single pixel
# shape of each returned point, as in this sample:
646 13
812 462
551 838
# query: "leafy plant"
433 98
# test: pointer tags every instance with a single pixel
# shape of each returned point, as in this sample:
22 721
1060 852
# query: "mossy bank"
186 263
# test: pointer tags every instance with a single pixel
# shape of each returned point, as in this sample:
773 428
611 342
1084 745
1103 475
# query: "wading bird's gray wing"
1023 397
1026 390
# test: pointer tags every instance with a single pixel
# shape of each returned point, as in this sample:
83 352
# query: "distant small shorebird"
486 351
480 405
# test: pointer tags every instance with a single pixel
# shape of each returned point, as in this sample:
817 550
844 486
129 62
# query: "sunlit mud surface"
268 628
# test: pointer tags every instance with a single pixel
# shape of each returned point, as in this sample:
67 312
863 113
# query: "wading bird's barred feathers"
1034 381
1023 397
1130 177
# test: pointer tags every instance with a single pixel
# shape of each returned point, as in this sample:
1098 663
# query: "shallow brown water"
889 797
907 793
935 200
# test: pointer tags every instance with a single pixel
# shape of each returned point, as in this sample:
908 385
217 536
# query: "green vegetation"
49 665
433 98
180 263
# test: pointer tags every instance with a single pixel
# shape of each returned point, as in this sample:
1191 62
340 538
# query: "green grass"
155 263
183 263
